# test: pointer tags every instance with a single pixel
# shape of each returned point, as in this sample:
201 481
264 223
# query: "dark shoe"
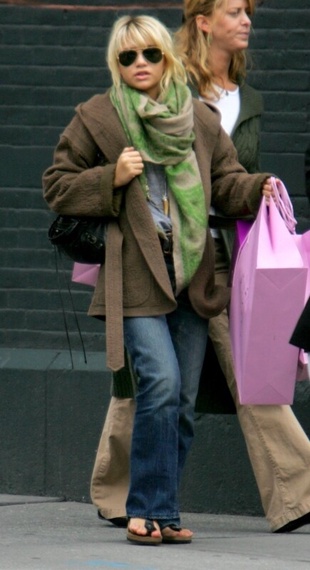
120 522
295 524
147 538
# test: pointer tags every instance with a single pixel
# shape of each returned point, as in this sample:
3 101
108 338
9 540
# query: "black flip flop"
147 538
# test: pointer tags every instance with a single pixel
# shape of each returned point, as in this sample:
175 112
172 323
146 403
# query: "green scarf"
162 131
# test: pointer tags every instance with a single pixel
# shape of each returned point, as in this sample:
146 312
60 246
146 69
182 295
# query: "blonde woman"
156 289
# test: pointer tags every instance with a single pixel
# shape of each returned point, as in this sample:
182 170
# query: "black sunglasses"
128 57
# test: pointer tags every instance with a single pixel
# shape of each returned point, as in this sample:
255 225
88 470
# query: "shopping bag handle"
283 203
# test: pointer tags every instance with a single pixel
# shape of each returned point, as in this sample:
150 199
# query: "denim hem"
173 518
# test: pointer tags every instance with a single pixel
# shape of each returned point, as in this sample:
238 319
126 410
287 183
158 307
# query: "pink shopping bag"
268 292
85 273
242 229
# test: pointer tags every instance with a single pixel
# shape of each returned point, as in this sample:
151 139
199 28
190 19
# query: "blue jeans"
167 354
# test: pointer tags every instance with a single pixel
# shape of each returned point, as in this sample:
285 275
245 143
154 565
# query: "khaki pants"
278 448
110 478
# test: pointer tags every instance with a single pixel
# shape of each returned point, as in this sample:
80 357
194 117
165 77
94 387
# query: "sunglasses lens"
127 58
153 55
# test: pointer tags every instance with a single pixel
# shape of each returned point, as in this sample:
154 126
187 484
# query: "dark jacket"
214 395
246 139
246 133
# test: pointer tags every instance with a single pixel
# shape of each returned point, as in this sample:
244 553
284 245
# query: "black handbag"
80 238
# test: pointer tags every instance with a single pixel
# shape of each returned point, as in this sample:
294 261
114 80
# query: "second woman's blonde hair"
192 45
142 31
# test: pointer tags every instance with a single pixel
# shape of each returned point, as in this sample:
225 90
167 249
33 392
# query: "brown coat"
134 280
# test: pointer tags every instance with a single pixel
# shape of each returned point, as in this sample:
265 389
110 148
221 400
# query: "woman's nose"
140 58
246 19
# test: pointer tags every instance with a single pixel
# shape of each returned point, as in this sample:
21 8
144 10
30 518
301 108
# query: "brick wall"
53 57
281 71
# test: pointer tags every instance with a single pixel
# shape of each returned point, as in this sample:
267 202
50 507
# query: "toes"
152 528
169 532
144 527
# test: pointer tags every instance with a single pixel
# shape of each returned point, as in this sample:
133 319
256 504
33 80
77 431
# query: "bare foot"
174 534
141 527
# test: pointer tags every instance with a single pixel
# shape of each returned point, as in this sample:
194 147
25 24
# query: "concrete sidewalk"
50 534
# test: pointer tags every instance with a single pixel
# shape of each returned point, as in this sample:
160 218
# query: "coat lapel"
101 119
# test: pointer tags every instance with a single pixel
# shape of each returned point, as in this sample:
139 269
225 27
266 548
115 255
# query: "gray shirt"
157 183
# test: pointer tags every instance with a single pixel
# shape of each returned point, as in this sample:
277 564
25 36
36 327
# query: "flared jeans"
167 354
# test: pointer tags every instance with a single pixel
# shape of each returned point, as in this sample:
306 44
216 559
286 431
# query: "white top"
228 103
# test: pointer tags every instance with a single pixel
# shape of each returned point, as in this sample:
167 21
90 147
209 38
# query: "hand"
267 190
129 165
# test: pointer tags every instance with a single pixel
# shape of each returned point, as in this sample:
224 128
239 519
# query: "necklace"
158 196
222 92
165 200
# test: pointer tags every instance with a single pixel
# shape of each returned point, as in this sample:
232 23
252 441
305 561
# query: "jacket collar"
110 138
251 103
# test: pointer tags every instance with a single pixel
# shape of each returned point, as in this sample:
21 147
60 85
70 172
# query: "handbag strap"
284 204
58 255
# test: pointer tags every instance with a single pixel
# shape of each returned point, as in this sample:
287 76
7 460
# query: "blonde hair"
192 45
142 31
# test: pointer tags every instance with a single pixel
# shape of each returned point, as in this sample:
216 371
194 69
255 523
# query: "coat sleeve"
246 139
234 191
80 180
